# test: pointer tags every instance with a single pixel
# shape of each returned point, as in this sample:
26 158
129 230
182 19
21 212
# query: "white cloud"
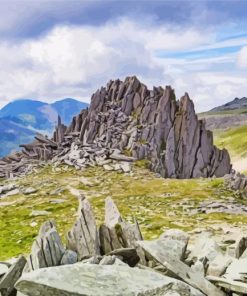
242 57
75 61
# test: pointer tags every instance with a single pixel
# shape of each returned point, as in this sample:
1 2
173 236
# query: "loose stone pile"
124 122
237 181
113 259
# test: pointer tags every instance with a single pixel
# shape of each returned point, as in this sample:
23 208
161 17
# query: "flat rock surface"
84 279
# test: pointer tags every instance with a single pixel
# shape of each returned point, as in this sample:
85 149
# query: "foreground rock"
99 280
126 118
47 250
7 283
113 259
156 250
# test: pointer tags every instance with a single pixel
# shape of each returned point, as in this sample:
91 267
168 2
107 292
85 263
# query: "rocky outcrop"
126 118
122 263
237 181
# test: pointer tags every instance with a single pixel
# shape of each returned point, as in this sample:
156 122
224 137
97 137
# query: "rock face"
126 118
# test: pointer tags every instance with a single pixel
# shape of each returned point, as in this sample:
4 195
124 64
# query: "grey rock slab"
29 190
218 266
83 238
39 213
98 280
69 257
175 234
155 250
205 247
47 249
112 214
8 281
237 270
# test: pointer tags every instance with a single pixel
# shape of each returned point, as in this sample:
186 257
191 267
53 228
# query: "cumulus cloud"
242 57
76 60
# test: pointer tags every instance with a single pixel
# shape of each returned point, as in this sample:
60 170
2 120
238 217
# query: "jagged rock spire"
127 117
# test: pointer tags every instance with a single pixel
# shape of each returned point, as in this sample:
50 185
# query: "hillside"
229 124
157 203
236 104
21 119
12 134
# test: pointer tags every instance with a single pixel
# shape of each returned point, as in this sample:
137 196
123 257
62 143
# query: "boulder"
69 257
156 251
205 247
83 279
218 265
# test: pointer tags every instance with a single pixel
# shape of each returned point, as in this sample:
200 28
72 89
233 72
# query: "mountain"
127 121
40 115
21 119
68 108
12 135
232 105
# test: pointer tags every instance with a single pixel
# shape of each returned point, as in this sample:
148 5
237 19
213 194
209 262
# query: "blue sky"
55 49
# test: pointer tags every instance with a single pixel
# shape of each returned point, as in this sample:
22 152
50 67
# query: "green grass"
225 112
234 140
157 203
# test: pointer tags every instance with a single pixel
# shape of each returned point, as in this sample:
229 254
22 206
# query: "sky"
56 49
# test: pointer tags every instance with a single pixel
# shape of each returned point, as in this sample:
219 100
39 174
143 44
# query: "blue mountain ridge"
21 119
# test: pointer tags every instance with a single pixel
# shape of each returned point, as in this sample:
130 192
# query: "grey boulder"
104 280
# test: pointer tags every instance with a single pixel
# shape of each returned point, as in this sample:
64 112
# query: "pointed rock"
83 237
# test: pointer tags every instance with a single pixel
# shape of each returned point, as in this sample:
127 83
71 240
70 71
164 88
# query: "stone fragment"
155 250
69 257
129 255
229 285
218 266
83 238
39 213
7 282
112 214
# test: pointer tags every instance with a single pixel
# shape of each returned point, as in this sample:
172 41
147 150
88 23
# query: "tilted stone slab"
156 250
83 237
47 249
231 285
8 281
99 280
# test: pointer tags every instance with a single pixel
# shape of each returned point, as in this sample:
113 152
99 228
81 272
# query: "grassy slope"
234 139
156 202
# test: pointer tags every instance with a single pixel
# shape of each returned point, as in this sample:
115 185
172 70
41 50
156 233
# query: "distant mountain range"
232 105
21 119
